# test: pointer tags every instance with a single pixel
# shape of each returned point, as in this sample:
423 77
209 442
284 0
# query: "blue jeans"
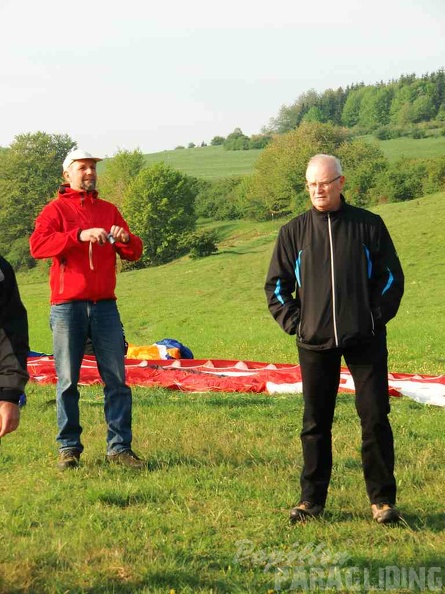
71 323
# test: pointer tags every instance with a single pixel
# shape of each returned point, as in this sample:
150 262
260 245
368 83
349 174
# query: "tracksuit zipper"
334 305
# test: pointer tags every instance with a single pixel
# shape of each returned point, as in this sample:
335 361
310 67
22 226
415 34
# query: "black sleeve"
388 279
14 342
281 283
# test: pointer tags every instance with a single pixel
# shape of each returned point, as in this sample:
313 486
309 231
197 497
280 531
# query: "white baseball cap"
78 155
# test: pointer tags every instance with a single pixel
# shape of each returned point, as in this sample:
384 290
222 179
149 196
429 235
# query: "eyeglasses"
322 185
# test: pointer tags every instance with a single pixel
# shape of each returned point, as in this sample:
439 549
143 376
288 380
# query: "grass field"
208 162
209 515
413 148
212 162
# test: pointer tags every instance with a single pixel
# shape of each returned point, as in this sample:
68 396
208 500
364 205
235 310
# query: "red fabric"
77 273
226 376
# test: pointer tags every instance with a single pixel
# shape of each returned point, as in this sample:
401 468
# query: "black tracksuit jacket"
14 343
334 278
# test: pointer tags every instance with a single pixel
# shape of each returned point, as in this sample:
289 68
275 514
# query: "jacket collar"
65 191
331 213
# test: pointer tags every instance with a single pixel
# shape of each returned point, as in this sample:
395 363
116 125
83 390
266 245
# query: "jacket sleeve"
14 342
388 279
281 284
132 250
48 239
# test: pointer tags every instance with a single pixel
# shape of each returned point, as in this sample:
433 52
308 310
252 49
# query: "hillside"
213 162
208 162
216 305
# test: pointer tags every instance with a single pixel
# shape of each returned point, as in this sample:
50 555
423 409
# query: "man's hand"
95 235
9 417
100 236
120 234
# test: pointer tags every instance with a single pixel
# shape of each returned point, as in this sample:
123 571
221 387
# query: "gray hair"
331 158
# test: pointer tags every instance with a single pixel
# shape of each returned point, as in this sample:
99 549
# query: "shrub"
219 199
202 243
402 181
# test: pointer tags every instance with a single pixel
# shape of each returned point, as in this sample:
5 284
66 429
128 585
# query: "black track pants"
321 375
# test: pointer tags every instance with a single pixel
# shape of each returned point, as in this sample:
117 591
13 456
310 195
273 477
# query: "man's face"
324 185
81 175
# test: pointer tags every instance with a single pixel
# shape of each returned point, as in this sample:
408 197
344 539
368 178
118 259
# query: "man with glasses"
335 280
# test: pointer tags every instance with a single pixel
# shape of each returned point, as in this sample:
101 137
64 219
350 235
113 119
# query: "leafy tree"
290 117
236 141
278 185
191 145
331 105
119 172
402 181
314 114
259 141
362 163
30 173
160 207
425 102
217 141
351 111
219 199
435 175
374 107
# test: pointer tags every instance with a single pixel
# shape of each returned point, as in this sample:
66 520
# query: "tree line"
387 110
392 106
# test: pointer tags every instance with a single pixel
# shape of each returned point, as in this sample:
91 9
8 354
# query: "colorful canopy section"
194 375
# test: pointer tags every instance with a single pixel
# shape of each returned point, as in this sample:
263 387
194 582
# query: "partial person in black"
14 349
335 280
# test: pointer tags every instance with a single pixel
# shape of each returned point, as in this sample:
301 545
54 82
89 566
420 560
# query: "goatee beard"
89 185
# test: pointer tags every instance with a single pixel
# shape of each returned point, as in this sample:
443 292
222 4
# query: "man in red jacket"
82 234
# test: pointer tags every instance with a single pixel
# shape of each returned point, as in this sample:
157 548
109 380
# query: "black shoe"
385 513
68 458
304 511
127 458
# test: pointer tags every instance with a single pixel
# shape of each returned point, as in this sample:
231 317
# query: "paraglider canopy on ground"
216 375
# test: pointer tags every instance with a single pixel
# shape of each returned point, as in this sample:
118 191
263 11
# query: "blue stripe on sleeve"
297 268
368 258
390 280
277 292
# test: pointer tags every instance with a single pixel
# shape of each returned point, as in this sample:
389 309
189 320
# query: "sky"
156 75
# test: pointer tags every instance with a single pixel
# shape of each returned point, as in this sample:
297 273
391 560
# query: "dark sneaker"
127 458
304 511
68 458
385 513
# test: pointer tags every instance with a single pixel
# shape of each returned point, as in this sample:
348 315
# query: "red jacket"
80 270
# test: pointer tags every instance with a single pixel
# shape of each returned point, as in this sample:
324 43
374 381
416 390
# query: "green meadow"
208 162
213 162
413 148
210 513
